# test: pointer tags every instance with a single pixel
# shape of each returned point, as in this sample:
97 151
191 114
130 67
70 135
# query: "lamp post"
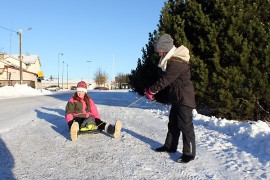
58 65
20 56
67 76
63 75
89 70
113 78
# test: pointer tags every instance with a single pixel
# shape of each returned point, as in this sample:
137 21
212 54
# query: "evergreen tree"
229 43
147 70
229 47
241 79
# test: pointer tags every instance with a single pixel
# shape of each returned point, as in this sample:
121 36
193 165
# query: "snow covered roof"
13 60
30 59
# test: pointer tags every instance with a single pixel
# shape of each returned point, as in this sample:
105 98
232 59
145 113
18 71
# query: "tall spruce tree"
241 80
229 45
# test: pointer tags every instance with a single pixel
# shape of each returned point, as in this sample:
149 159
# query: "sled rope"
127 106
135 101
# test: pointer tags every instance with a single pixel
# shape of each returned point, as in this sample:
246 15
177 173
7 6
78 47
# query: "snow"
19 91
35 142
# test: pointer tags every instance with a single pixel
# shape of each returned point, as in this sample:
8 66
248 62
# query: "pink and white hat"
82 86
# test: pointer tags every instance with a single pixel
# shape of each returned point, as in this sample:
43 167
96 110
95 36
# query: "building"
10 70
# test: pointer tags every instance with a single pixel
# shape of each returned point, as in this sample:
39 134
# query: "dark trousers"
101 124
180 120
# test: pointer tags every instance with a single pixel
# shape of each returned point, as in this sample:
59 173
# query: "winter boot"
185 158
114 130
165 149
74 131
117 129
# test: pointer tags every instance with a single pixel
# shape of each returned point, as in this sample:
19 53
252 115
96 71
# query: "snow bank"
252 136
20 90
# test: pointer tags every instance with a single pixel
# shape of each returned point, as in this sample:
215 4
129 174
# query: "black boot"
114 130
165 149
109 129
185 158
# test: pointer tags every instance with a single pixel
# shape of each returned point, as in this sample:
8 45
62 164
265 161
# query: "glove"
149 94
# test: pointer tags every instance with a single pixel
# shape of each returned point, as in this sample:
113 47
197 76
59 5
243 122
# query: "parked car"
53 88
101 88
73 88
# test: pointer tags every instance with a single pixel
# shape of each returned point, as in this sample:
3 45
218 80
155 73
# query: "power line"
8 29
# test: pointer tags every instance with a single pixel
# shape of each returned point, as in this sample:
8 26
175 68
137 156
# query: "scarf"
163 61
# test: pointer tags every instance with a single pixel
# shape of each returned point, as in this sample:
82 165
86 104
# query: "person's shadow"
153 144
58 121
6 162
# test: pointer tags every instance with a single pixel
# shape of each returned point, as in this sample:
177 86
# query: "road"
15 111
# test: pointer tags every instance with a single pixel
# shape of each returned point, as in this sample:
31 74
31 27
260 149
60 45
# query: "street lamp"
63 75
89 71
20 37
67 76
58 65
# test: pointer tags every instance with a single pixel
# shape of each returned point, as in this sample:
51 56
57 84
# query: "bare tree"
101 77
122 79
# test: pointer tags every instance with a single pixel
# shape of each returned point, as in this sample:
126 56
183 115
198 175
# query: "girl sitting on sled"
82 115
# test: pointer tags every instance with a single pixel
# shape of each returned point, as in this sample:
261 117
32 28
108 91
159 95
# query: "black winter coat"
180 89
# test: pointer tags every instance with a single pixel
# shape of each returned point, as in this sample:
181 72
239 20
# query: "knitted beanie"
82 86
164 43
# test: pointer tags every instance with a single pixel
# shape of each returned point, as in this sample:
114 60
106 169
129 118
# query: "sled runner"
96 131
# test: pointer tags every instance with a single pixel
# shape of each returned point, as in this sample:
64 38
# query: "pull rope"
126 106
135 101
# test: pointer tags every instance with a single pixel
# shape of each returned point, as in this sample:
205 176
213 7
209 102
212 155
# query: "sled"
90 129
96 131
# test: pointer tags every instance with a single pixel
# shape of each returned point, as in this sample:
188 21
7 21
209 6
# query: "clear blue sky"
109 33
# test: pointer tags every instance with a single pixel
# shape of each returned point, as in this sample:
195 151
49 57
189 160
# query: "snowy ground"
35 142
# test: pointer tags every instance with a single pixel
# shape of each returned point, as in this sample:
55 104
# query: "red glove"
149 94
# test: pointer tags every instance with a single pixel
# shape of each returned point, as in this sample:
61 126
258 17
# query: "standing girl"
174 62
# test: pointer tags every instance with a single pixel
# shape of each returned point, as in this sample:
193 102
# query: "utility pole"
88 72
63 75
20 37
58 67
67 76
21 58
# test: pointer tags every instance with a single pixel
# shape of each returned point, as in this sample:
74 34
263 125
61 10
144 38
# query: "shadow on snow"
6 162
152 143
58 121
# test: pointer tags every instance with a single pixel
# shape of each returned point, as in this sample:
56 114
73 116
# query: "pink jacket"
75 108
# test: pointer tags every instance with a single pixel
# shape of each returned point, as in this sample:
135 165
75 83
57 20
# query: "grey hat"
164 43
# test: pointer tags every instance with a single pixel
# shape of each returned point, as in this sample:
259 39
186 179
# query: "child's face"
80 94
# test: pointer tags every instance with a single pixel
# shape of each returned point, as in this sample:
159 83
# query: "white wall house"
10 70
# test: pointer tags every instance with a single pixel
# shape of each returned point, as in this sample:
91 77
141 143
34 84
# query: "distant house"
10 70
